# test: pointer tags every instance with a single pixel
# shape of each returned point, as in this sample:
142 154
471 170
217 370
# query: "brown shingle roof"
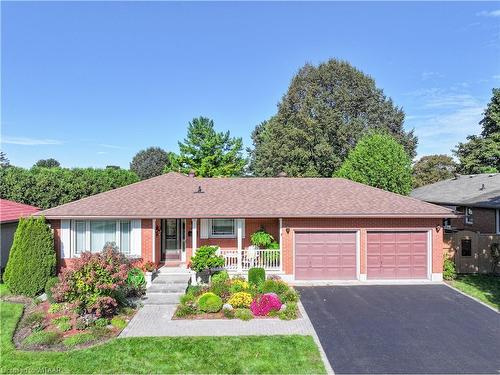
12 211
174 195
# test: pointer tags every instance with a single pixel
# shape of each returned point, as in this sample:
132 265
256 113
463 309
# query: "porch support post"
239 232
194 231
281 246
154 241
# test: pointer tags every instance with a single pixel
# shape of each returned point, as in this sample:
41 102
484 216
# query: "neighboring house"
468 237
327 228
10 212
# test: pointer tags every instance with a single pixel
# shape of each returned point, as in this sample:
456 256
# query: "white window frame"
88 246
225 235
469 215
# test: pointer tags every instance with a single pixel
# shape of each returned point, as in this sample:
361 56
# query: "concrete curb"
326 361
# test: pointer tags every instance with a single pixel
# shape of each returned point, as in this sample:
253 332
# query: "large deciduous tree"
379 160
481 153
433 168
325 111
47 163
150 162
209 153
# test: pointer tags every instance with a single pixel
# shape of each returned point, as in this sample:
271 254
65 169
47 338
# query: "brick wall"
363 225
483 218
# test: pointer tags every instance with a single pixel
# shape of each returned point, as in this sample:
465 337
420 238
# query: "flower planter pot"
149 276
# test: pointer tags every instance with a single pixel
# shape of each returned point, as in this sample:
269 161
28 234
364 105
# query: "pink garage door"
325 255
397 255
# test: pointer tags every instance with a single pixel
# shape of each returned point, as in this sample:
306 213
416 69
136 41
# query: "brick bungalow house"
327 228
469 236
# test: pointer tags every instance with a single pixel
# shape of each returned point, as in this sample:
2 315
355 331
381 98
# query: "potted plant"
150 271
206 261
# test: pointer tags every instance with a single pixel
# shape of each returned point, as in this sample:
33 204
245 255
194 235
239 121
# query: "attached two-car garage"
332 255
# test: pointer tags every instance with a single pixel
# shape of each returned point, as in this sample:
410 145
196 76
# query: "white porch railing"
242 260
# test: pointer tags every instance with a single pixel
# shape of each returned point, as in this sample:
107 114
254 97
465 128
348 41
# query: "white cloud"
491 13
101 152
112 146
443 118
25 141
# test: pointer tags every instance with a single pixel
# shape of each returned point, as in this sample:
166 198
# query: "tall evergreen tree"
325 111
209 153
4 161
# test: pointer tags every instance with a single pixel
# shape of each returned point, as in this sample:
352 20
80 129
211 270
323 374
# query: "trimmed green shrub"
101 322
220 277
275 286
119 323
290 312
185 310
243 314
256 276
42 338
449 270
206 258
51 282
32 259
78 339
209 302
228 313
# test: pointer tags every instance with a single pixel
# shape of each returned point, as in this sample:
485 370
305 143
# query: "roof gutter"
277 215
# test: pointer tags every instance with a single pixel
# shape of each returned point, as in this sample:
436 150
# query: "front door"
171 249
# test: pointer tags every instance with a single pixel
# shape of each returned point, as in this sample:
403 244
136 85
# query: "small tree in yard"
379 160
150 162
32 258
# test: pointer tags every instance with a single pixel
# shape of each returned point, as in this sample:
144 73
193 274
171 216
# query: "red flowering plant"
96 282
266 303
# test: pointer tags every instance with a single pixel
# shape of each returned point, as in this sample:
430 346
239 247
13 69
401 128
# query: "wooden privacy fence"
455 246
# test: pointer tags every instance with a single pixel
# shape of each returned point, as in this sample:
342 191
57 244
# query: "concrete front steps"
168 286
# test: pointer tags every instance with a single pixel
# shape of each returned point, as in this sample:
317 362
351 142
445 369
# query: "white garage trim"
430 275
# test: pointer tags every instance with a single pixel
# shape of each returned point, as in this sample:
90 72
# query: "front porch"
176 240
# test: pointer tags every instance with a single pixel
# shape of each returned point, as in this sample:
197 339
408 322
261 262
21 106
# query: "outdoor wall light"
438 228
287 230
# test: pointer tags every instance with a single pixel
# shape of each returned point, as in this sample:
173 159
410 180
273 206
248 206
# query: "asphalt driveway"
403 329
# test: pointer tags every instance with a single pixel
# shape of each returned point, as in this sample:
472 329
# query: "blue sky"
92 83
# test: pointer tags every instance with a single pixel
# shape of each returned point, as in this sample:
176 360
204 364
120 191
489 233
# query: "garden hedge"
32 258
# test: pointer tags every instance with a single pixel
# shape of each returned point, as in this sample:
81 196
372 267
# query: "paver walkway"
156 320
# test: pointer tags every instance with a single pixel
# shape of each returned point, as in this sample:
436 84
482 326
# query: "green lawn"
259 354
3 290
484 287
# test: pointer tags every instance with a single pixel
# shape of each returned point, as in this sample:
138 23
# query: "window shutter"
65 239
136 239
204 228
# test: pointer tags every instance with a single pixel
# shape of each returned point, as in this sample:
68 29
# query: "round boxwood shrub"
32 258
209 302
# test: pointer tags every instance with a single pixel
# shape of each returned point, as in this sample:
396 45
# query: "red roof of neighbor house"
12 211
175 195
